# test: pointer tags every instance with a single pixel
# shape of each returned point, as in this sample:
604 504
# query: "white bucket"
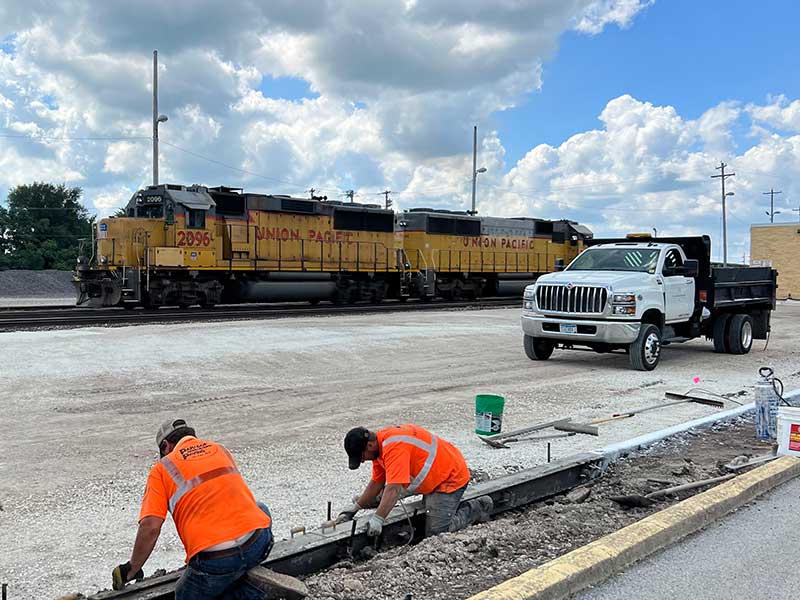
789 431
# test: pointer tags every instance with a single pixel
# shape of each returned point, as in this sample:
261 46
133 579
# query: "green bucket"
488 414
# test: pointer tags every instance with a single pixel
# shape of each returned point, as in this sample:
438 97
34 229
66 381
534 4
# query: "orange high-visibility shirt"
200 484
420 461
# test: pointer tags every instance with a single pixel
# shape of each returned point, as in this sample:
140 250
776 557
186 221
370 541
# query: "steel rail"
30 318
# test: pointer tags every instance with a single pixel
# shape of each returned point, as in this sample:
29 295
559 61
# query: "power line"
71 138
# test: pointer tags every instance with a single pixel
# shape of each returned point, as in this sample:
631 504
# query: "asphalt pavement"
752 553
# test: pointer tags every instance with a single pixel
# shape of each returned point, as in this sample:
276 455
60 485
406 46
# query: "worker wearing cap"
407 460
224 531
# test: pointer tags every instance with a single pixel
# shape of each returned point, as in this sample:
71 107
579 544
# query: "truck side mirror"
691 267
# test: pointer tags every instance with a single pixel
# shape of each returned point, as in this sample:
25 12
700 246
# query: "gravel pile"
32 284
458 565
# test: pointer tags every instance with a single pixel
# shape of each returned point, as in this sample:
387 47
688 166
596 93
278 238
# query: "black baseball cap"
355 442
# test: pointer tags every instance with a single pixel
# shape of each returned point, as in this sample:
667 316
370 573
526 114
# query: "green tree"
42 225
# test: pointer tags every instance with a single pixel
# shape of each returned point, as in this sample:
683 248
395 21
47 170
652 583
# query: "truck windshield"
643 260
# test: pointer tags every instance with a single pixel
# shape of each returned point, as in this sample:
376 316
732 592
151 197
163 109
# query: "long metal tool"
519 432
638 500
683 400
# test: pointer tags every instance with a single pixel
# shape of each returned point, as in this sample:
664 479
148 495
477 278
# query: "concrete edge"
597 561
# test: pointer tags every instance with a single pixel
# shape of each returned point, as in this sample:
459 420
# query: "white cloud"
107 200
778 114
602 12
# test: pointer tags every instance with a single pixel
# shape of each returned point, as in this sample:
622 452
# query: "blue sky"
690 54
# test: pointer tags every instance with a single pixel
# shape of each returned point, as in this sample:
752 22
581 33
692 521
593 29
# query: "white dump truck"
639 294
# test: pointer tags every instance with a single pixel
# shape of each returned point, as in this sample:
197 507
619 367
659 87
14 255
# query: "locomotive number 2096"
194 238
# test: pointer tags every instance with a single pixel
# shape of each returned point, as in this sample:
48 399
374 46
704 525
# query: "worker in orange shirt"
225 532
407 460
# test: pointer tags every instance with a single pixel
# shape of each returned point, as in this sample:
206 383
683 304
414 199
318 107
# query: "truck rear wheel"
645 352
721 334
538 348
740 334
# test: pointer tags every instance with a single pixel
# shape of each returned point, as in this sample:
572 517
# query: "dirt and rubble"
458 565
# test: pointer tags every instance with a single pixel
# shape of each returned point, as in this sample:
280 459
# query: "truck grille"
579 299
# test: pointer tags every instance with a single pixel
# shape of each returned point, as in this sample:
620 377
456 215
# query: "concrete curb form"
600 559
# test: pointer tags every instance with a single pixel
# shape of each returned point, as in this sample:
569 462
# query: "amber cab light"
703 295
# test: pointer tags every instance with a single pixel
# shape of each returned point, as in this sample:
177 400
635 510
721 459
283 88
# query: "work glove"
121 575
349 513
375 525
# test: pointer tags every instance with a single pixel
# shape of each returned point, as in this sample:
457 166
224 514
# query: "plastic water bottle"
766 401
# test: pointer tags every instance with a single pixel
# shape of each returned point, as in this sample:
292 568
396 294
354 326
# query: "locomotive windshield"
150 207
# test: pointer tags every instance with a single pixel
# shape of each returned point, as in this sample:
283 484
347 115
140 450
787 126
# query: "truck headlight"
529 294
624 310
527 305
624 298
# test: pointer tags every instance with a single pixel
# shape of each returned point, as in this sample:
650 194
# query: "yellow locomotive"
181 245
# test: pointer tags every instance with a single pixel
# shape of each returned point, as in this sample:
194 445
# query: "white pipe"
614 451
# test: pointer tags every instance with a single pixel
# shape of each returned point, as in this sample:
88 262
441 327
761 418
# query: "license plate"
568 328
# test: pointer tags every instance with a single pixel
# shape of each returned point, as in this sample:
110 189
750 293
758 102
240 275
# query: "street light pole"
475 170
722 176
474 165
156 117
771 193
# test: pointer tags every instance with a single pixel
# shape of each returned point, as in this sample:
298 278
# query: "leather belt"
214 554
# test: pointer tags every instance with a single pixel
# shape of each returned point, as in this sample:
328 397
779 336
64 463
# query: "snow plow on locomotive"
181 246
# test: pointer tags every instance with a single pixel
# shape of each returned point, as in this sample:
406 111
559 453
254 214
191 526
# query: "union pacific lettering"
286 234
493 242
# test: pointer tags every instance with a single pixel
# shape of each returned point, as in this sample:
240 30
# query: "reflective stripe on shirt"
184 485
429 448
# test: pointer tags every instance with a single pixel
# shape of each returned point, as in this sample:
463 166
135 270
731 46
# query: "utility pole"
311 191
771 193
722 177
386 203
157 118
350 194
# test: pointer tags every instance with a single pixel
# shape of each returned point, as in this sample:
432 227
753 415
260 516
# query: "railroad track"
29 317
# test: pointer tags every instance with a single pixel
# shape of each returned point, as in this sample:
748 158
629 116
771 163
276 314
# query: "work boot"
484 505
276 585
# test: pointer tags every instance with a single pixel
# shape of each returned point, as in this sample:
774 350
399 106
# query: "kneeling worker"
407 460
225 532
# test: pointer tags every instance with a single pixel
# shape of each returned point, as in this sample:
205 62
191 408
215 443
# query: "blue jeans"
223 578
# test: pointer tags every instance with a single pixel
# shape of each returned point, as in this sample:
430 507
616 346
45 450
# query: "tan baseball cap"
167 428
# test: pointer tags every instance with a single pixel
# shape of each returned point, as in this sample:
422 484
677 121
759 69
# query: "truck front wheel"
645 352
538 348
740 334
